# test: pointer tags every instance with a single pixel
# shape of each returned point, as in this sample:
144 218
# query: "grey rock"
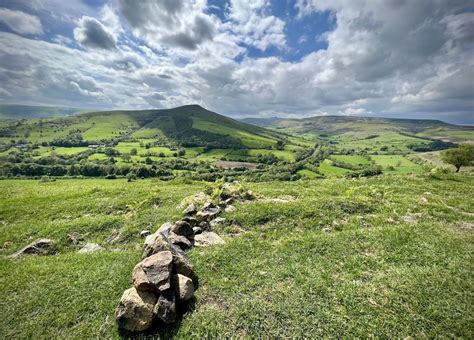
190 210
217 221
153 273
230 208
90 248
145 233
180 241
165 307
183 286
183 228
204 225
165 228
35 248
197 230
135 310
207 238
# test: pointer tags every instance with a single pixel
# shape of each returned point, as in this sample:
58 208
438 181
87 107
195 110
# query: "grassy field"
340 259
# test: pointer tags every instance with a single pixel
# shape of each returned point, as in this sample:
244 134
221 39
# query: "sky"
255 58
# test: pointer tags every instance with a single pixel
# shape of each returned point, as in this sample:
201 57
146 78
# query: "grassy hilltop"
388 256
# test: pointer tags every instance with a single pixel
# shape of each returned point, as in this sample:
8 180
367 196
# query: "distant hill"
190 125
367 126
13 112
262 122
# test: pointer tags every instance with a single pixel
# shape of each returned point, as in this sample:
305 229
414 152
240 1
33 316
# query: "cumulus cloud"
20 22
92 33
178 23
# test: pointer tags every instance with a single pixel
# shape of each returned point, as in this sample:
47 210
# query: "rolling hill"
188 126
14 112
362 127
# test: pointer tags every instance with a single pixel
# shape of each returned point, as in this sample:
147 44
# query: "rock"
217 221
183 228
165 307
191 220
207 238
183 286
229 201
114 237
165 228
230 208
145 233
197 230
153 273
204 225
90 248
180 241
208 214
208 205
409 219
154 243
135 310
190 210
248 195
35 248
159 242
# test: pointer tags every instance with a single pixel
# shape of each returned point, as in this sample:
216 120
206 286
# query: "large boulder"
165 308
153 273
183 286
183 228
208 213
207 238
35 248
135 310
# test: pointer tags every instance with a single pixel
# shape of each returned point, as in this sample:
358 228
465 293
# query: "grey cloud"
91 33
20 22
174 23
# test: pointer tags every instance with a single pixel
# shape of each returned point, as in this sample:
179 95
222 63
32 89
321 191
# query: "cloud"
20 22
92 33
177 23
254 26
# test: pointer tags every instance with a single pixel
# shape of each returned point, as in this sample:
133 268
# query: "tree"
461 156
126 157
133 152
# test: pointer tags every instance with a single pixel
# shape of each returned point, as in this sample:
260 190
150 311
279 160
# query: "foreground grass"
337 259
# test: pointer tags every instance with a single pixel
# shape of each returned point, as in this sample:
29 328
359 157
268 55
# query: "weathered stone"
165 228
197 230
153 273
204 225
159 242
37 247
114 237
183 286
135 310
191 220
154 243
165 307
230 208
183 228
145 233
90 248
208 213
207 238
217 221
180 241
190 210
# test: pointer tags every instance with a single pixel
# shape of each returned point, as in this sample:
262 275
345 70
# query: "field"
389 257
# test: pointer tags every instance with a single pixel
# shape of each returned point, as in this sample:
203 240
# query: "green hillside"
363 127
14 112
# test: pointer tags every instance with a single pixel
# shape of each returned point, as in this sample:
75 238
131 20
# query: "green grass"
352 159
304 267
400 163
327 169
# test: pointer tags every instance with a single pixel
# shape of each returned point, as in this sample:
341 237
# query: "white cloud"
20 22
